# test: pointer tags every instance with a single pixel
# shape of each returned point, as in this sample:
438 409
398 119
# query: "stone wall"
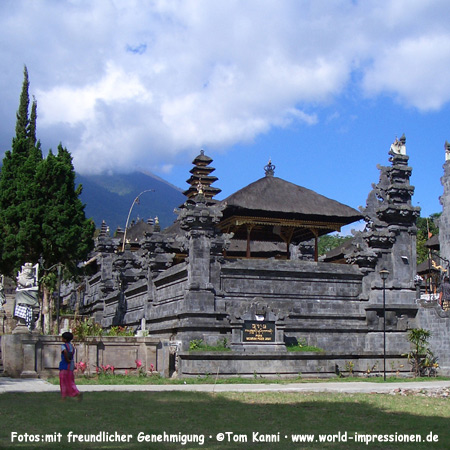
312 301
431 317
290 364
30 356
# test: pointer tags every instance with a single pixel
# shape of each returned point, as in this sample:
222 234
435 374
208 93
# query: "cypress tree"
31 129
18 225
40 212
66 233
24 102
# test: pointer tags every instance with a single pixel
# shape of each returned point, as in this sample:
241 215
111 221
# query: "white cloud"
137 84
413 63
72 105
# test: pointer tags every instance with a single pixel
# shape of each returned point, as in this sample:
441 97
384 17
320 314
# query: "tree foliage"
426 227
40 210
66 234
330 241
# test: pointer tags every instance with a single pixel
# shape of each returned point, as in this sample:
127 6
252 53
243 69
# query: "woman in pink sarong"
66 368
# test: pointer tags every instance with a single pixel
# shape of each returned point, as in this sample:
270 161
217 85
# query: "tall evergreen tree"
22 114
31 129
19 229
66 234
40 212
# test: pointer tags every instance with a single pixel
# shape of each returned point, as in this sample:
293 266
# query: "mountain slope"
109 198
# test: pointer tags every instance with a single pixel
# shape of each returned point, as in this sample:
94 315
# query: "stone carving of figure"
399 146
27 293
27 277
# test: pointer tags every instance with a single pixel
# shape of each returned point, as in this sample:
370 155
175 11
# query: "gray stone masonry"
444 220
431 317
182 286
28 355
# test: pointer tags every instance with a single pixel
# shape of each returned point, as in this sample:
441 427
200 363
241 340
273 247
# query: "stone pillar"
29 359
199 260
13 353
444 220
198 218
389 239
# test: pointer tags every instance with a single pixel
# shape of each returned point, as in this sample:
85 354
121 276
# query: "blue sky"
321 87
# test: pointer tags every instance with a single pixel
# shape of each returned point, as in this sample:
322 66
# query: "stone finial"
399 146
447 151
269 169
157 226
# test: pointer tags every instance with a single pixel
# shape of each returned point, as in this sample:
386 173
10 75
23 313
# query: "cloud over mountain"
135 84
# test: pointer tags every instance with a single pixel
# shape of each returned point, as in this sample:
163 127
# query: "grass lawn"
155 379
188 413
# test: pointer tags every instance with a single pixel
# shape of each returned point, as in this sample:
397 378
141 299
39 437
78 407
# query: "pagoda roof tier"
202 179
202 159
202 169
208 191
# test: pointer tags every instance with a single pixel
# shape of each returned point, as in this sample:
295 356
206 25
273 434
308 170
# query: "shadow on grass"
193 413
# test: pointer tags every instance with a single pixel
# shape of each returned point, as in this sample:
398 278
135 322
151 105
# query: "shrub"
86 328
120 331
421 358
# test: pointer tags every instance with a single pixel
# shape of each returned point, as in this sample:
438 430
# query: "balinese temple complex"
245 271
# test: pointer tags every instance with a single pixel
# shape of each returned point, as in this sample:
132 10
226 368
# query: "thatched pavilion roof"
275 195
270 202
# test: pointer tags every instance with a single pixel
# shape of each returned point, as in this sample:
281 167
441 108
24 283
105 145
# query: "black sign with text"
259 331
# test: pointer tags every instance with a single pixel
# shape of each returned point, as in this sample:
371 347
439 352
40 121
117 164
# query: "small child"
66 368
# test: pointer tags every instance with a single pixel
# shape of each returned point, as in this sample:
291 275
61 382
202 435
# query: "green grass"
209 414
211 379
304 348
198 345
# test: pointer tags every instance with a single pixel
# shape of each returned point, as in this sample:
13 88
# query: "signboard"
259 331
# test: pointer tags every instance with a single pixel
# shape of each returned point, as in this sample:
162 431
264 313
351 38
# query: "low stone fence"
288 364
29 356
